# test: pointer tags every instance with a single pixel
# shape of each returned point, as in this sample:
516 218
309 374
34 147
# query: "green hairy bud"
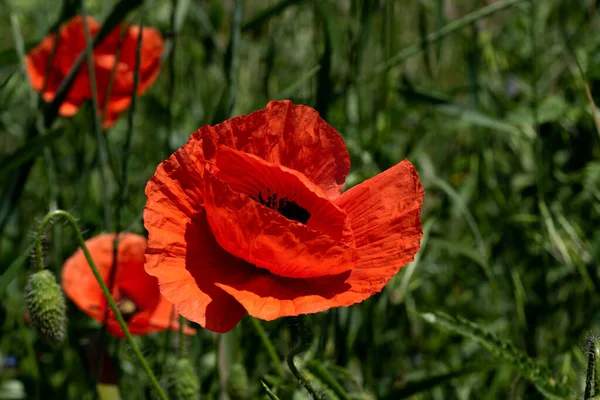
46 306
186 386
237 382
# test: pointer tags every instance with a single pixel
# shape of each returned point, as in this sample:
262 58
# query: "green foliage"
487 99
539 374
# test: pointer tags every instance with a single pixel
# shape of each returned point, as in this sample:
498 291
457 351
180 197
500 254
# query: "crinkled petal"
265 238
182 252
385 216
251 175
293 136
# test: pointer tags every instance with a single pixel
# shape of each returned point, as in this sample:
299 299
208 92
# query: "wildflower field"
299 199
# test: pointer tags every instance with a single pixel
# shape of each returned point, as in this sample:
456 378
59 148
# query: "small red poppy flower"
248 217
115 55
136 293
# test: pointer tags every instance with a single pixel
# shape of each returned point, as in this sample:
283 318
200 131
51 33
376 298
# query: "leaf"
11 272
326 379
6 80
536 373
464 251
459 111
428 383
301 81
444 32
324 83
422 14
32 148
263 16
271 395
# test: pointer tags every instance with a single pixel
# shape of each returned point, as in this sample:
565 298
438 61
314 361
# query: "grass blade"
96 121
270 394
536 373
31 149
319 371
426 384
446 31
263 16
11 272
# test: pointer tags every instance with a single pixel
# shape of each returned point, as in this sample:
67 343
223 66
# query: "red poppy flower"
117 53
248 217
135 292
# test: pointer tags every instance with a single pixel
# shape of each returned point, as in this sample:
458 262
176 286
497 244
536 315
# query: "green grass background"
486 98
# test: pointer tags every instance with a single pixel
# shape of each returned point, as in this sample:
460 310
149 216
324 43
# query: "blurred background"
491 100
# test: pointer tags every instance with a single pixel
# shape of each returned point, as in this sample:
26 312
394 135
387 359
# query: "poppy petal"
182 252
36 62
293 136
132 280
385 216
268 296
186 274
265 238
384 213
79 282
284 187
151 52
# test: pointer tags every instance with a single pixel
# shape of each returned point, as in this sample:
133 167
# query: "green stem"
126 152
102 150
268 345
301 332
111 303
181 337
590 379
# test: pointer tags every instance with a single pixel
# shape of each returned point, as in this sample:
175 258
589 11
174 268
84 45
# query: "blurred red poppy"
248 217
114 64
135 292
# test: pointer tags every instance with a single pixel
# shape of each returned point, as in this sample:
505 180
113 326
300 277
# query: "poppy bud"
237 382
46 306
186 385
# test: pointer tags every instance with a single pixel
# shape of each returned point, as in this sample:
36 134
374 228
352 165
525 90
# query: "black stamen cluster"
285 206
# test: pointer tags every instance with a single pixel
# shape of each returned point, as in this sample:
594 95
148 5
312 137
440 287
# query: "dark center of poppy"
286 207
127 308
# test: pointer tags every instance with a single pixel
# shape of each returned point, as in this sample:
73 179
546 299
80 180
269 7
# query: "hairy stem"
301 333
111 303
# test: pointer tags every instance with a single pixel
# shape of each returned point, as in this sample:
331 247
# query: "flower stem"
111 303
302 334
181 337
590 380
100 139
